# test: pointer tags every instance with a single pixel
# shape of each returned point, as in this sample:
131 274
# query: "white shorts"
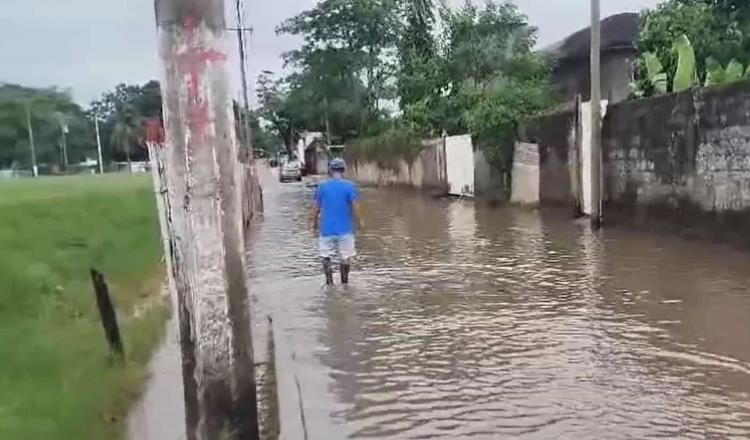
341 246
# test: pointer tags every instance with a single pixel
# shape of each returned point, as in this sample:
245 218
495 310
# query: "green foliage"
656 74
735 71
57 379
418 75
716 74
685 77
343 65
718 30
387 149
478 75
123 112
47 107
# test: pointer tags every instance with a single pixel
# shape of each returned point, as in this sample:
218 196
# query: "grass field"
57 380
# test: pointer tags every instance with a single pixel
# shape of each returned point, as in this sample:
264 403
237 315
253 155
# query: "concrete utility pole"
596 115
64 145
202 186
98 144
34 167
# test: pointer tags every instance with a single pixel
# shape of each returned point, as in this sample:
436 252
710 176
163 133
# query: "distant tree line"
122 113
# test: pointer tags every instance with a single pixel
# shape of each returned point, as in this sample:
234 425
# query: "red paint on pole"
193 59
154 130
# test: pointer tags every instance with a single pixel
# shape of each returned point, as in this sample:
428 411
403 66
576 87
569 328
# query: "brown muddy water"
478 323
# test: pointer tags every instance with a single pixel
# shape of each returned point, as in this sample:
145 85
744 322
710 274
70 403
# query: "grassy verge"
56 378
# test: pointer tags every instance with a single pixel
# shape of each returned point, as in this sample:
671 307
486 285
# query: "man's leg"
348 251
326 251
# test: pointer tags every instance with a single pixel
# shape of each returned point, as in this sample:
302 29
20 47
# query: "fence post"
107 314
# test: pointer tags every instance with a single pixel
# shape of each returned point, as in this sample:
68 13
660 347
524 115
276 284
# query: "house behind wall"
571 73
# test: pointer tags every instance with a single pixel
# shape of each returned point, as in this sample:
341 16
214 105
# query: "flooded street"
470 322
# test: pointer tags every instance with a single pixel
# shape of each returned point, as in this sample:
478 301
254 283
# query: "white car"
290 171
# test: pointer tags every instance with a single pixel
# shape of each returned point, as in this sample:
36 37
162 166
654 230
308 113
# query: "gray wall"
683 157
679 160
489 182
426 171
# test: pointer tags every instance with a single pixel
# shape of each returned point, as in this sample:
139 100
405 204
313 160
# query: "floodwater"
469 322
479 323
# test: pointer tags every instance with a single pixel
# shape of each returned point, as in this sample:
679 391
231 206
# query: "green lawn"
56 378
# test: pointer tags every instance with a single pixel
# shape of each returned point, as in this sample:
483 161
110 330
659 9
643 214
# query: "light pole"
98 144
34 168
596 115
64 130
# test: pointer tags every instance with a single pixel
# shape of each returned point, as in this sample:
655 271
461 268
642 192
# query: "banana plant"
686 76
656 74
717 75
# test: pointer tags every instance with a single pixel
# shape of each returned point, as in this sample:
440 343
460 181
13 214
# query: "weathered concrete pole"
596 114
202 180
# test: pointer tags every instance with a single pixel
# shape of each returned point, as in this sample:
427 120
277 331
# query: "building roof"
619 32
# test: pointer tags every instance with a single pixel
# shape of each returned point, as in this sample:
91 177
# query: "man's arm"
315 212
357 211
314 216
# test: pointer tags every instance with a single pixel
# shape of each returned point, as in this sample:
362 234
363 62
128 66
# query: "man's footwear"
345 269
328 270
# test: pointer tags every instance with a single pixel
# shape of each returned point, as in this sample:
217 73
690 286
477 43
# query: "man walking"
334 211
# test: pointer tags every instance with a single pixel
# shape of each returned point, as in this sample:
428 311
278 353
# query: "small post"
596 114
107 314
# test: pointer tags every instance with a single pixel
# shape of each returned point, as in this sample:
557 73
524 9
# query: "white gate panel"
459 164
586 183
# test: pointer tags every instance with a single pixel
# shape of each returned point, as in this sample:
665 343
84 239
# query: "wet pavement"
478 323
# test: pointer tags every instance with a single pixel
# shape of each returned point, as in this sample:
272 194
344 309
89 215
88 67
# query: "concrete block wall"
426 171
682 159
681 152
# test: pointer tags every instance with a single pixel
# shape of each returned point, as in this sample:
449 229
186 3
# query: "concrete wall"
685 156
427 171
525 188
680 159
489 182
555 134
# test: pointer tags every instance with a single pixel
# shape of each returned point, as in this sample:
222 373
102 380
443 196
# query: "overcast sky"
88 46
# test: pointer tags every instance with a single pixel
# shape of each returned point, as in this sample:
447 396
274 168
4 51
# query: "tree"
347 43
418 78
123 112
701 22
47 107
126 130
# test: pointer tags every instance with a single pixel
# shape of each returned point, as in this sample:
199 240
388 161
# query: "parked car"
290 171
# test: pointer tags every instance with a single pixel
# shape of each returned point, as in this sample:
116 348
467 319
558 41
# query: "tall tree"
417 52
346 43
123 112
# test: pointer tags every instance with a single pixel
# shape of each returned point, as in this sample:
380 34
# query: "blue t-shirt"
334 198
